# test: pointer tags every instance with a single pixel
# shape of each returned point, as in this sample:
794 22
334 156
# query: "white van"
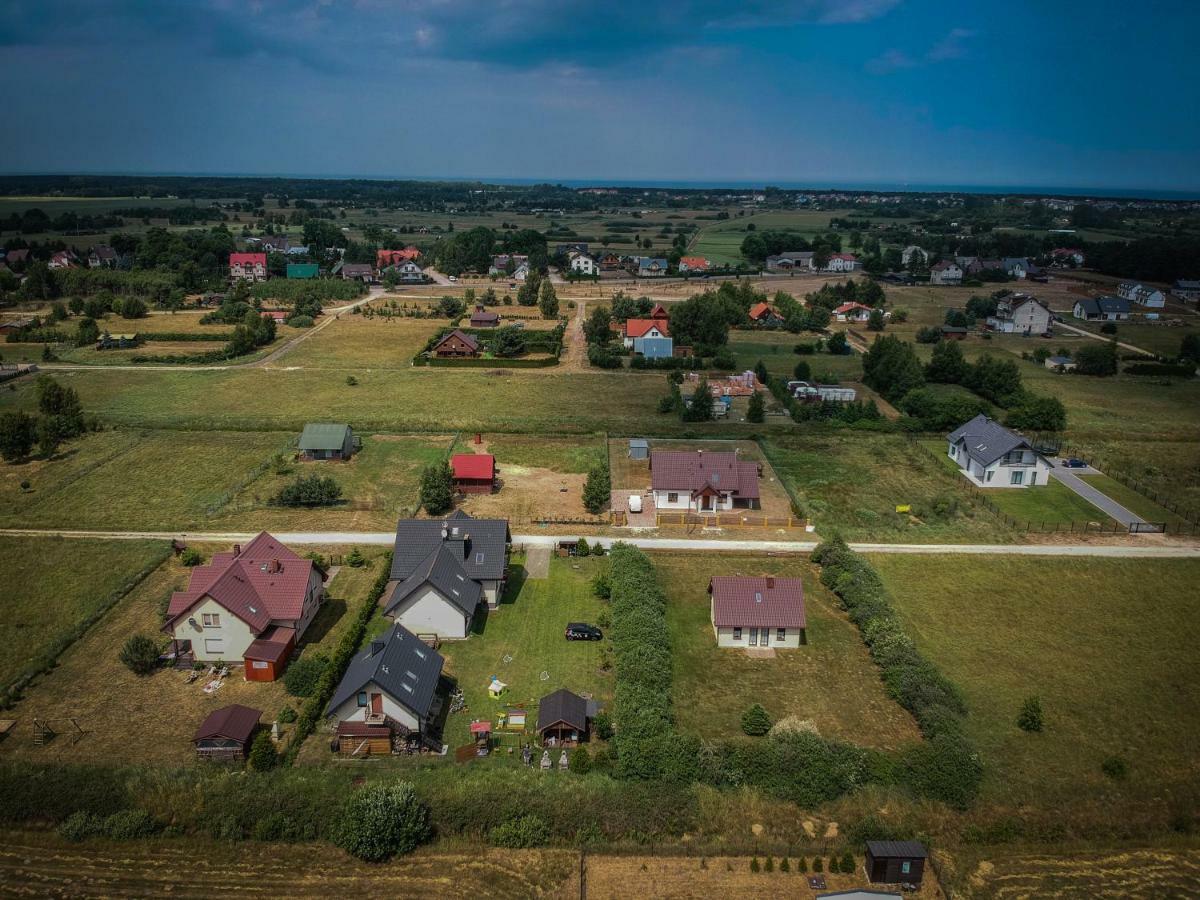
635 503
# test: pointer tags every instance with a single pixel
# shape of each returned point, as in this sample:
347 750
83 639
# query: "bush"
1115 768
286 716
756 721
1030 718
601 586
802 865
848 863
351 381
583 548
437 488
140 654
129 824
310 490
818 865
597 489
300 321
521 832
190 558
602 726
263 756
784 865
754 866
79 826
581 761
355 559
302 675
382 820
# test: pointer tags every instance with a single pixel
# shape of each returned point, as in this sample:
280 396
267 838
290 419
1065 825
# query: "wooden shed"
456 344
322 440
896 862
266 658
227 732
360 739
562 719
473 473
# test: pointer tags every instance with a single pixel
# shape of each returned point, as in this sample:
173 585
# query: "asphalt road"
1157 549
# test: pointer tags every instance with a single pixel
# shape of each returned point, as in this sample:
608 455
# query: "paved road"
263 363
1157 549
1094 496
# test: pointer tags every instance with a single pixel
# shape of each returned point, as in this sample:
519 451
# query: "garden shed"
896 862
227 732
639 448
562 719
321 440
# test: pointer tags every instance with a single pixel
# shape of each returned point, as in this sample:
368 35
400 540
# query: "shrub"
382 820
756 721
597 489
602 726
263 756
437 488
581 761
523 831
848 864
351 381
190 557
601 586
310 490
355 559
784 865
582 548
802 865
80 825
770 865
818 865
129 824
140 654
286 716
300 321
1115 767
754 866
1030 718
302 675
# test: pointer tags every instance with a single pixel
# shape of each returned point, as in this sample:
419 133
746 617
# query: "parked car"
579 631
1074 463
635 503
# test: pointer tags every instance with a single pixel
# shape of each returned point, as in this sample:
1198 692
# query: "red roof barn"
474 473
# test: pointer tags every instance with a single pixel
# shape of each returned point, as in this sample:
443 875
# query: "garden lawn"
357 342
851 482
524 639
1134 502
1108 645
1051 504
831 682
774 347
50 585
573 454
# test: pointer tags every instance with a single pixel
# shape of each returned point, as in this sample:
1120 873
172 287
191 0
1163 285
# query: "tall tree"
548 300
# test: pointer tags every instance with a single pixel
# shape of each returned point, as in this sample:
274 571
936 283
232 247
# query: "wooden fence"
735 520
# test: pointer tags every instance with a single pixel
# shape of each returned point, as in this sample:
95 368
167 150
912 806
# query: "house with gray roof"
390 687
1101 309
323 440
991 456
443 569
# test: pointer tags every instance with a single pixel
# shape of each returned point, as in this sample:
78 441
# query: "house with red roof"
251 604
852 312
693 264
842 262
762 611
473 473
385 258
63 259
703 481
248 266
765 316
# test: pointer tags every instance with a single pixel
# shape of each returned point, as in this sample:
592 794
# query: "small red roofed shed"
473 473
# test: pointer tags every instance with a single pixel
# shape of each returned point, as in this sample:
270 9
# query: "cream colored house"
757 612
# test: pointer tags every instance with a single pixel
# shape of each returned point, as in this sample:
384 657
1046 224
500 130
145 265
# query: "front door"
376 704
765 636
753 637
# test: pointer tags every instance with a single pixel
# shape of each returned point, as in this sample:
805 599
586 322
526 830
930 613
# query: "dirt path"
1100 337
575 359
537 562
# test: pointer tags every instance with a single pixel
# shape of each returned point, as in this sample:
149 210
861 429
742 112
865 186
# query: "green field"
1109 647
714 686
721 241
50 586
1046 505
559 454
1133 501
851 483
357 343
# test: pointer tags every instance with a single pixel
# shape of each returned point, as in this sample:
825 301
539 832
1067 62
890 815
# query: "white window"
214 646
1017 478
258 664
988 476
737 634
211 620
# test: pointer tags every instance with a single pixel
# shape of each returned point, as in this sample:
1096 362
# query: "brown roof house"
456 344
758 611
227 732
562 719
251 604
703 482
484 318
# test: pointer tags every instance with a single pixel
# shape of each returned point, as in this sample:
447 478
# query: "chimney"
770 582
274 567
445 531
237 550
478 438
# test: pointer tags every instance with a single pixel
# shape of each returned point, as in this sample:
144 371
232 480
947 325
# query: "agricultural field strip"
387 538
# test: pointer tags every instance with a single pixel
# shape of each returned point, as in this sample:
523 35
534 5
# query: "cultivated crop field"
51 586
1106 644
830 683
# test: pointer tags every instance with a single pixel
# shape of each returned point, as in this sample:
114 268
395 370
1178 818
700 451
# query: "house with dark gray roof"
443 569
562 718
391 685
991 456
1101 309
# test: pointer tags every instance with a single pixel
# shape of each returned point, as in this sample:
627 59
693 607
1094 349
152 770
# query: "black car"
578 631
1074 463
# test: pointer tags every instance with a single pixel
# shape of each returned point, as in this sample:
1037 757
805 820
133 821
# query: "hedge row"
314 707
49 655
1161 369
475 362
946 766
180 336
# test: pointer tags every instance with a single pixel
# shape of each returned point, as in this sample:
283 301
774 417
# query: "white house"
1101 309
842 262
1020 314
946 272
990 455
248 266
1187 289
702 481
1141 294
583 264
757 611
443 569
912 255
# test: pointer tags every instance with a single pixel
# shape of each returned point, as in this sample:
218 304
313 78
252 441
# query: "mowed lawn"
523 641
132 479
1108 645
831 682
1136 503
50 585
1050 505
356 342
570 453
851 483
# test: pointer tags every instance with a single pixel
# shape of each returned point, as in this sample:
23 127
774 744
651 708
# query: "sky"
923 92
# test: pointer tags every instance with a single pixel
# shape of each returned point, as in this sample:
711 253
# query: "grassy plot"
1108 646
1050 504
144 480
1133 501
774 348
852 482
1170 469
576 454
50 586
355 342
831 682
523 641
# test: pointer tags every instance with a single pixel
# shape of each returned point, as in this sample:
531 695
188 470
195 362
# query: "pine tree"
756 720
548 300
597 489
437 488
757 411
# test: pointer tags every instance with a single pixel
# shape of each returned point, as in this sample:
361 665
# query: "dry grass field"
356 343
831 682
41 864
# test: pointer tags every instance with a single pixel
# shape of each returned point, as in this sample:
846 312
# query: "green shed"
301 270
325 441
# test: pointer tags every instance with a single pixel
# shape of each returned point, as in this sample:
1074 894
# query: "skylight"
479 559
